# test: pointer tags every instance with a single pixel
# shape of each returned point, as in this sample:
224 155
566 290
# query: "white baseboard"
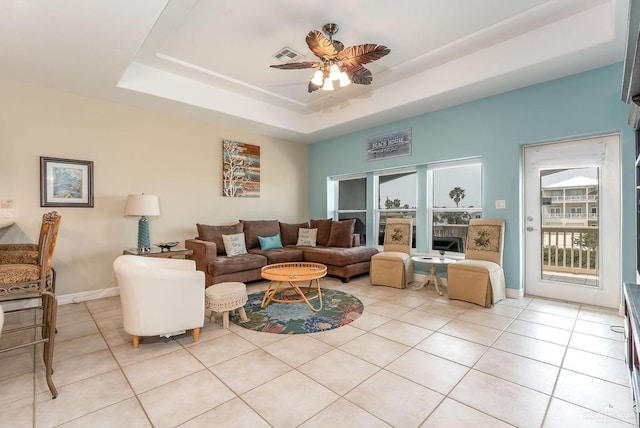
514 294
83 296
64 299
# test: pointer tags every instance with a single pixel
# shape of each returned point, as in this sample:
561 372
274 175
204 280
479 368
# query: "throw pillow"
307 237
324 229
234 244
341 233
254 228
269 242
214 234
289 232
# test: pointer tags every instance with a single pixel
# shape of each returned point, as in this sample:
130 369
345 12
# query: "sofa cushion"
324 230
234 244
289 232
280 255
338 256
341 233
214 234
269 242
254 228
225 265
307 237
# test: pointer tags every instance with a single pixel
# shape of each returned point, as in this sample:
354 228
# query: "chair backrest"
47 239
398 235
485 240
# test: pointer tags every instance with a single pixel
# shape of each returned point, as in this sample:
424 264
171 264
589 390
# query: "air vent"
287 55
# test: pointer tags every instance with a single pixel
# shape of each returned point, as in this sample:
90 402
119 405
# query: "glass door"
572 221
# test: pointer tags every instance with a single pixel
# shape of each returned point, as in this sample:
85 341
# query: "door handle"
530 229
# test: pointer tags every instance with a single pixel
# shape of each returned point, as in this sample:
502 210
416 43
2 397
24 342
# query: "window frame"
377 211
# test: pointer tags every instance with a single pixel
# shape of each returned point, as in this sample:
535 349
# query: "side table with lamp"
147 205
142 205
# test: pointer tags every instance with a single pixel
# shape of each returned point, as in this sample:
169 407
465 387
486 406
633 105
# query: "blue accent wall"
496 128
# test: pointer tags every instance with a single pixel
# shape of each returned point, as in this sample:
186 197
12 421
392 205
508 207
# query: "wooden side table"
174 253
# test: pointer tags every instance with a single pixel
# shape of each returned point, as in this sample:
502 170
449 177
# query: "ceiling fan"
336 62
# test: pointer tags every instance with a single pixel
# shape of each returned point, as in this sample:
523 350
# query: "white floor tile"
598 395
289 400
515 404
451 413
395 400
181 400
393 366
452 348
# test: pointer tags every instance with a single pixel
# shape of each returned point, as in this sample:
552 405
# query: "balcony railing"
570 249
571 216
575 198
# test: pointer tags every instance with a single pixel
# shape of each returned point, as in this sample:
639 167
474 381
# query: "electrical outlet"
501 204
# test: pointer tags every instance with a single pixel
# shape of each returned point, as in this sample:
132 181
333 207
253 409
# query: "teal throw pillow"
269 242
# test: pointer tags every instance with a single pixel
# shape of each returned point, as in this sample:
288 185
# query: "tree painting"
457 194
240 169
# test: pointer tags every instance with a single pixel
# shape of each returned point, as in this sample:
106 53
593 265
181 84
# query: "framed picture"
66 183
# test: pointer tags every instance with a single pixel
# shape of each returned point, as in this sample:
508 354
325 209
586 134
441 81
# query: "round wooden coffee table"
291 273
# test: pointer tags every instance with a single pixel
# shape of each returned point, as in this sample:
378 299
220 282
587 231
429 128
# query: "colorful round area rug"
338 309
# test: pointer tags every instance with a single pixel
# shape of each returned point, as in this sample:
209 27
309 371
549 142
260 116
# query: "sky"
467 177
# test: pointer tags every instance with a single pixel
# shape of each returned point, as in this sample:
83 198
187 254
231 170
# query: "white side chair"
160 296
393 266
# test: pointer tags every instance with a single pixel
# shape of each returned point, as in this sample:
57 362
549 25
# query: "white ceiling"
209 59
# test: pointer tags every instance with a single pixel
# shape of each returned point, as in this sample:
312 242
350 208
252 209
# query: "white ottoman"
225 297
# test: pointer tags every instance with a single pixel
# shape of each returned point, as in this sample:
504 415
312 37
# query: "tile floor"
413 359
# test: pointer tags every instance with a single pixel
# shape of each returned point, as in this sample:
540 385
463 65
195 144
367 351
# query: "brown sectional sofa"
337 247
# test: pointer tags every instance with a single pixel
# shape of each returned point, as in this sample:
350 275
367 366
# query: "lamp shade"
143 205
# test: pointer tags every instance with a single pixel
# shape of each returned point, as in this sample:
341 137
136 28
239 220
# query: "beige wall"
133 151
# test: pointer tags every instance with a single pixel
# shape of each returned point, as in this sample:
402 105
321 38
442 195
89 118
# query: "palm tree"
457 194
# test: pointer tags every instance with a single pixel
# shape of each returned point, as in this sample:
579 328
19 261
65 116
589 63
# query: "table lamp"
142 205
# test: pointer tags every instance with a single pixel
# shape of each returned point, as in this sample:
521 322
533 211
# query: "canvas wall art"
240 169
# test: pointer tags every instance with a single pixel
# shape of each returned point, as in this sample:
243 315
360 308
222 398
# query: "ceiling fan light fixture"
318 77
344 79
334 72
335 62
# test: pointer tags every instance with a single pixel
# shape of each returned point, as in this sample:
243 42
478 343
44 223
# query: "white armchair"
159 296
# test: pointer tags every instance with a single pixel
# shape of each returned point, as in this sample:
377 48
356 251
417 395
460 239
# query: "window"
455 198
576 212
397 194
450 196
352 203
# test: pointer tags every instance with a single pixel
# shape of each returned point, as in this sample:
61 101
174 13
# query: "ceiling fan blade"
354 56
320 45
360 75
297 65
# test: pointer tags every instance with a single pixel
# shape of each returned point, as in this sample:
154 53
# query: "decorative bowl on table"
166 246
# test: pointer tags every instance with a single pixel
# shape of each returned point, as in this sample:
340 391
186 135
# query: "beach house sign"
389 145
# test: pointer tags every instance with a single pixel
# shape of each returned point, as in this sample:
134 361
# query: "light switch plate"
500 204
